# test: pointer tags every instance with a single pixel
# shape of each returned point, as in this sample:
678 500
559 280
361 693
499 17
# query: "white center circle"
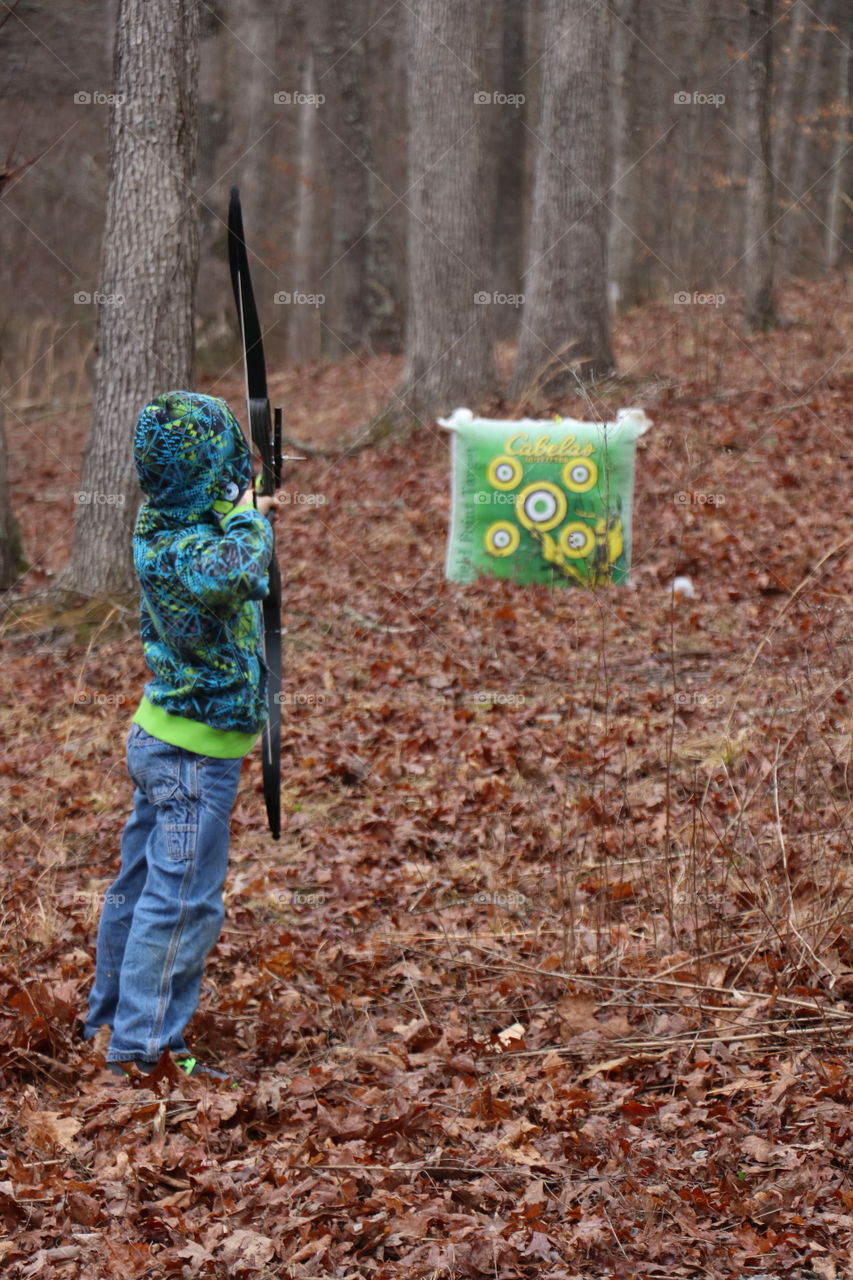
540 506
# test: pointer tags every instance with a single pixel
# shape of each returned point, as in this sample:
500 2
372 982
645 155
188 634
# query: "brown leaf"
49 1131
83 1208
246 1250
760 1149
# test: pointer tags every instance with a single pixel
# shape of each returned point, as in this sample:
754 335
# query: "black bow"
266 436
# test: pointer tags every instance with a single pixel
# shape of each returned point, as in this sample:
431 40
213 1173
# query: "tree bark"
623 281
450 357
760 310
836 249
346 154
254 69
800 140
565 323
385 267
686 206
147 282
384 323
303 332
11 551
790 79
510 142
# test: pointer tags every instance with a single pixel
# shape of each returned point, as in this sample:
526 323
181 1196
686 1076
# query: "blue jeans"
163 913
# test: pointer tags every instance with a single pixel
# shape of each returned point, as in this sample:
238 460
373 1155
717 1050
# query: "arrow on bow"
265 431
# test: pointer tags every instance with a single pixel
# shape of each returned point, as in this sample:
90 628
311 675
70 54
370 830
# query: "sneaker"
120 1068
190 1067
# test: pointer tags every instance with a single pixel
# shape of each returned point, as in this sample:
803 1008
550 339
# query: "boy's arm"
228 567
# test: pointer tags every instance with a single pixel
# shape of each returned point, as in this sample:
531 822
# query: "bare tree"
251 67
837 195
801 106
347 156
510 152
387 69
11 551
688 229
148 271
623 284
760 256
792 66
303 332
450 357
565 322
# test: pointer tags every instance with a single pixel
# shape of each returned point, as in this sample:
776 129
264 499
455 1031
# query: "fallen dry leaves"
551 973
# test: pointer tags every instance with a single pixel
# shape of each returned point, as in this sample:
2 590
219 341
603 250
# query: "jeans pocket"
180 828
169 778
155 768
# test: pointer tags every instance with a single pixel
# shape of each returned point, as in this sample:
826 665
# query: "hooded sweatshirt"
203 567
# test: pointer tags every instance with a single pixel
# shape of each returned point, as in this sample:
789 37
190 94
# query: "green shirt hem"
203 739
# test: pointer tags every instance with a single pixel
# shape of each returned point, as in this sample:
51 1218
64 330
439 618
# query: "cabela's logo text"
568 447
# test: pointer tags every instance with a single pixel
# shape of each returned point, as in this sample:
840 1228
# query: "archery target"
541 506
542 501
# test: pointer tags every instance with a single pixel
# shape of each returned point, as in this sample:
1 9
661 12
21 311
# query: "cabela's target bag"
545 501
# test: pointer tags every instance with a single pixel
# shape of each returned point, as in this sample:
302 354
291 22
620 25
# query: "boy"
201 551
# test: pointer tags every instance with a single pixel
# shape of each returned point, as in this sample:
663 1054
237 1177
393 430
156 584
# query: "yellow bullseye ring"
502 538
541 506
504 472
576 541
580 475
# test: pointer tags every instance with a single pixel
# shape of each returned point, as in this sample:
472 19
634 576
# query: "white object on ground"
683 587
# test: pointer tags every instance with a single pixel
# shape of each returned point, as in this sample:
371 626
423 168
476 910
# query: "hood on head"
188 450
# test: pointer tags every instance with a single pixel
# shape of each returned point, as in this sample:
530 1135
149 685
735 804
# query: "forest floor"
551 973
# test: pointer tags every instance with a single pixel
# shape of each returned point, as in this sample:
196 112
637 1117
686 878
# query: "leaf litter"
550 974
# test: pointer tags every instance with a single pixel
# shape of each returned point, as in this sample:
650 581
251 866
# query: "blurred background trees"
479 188
308 106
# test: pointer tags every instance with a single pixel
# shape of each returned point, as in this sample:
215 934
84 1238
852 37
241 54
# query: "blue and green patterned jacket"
202 568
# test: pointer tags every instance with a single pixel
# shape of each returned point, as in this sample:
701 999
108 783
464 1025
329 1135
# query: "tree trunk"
346 155
649 199
790 79
694 122
386 70
836 248
760 256
801 141
384 275
11 551
255 116
510 143
147 285
303 332
450 357
623 280
565 325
